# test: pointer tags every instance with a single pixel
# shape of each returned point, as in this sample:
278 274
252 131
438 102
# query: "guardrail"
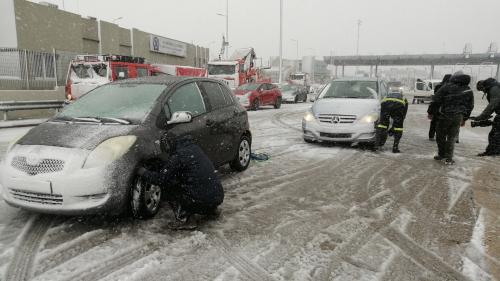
7 106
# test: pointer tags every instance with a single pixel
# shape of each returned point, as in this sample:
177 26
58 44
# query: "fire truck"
239 69
87 72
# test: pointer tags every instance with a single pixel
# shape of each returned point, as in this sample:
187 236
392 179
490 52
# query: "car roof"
167 80
357 79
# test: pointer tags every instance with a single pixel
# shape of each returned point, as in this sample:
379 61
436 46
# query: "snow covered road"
312 212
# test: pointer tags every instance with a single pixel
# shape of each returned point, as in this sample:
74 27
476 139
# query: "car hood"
73 135
357 107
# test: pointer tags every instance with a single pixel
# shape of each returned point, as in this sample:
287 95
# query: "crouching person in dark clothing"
188 179
394 106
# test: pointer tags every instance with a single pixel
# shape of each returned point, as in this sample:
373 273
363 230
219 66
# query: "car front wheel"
145 199
242 159
277 104
256 104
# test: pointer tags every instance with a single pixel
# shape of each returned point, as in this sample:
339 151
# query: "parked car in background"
254 95
293 93
395 86
84 160
345 111
317 90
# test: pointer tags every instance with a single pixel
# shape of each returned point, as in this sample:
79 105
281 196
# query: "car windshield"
288 87
351 89
129 102
217 69
249 87
88 71
395 84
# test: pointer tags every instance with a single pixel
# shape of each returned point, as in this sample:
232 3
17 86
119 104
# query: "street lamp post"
227 26
297 44
281 43
357 42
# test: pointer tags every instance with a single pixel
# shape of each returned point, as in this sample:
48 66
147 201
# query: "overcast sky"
321 26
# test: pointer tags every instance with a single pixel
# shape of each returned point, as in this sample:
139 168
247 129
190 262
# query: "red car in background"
254 95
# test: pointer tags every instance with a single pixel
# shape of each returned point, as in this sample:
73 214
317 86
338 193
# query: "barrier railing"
8 106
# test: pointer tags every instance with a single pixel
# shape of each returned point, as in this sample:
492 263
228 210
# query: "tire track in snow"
20 268
401 199
101 269
72 249
245 266
277 119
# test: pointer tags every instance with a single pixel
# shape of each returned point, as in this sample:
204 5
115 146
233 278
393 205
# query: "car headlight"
370 118
309 116
109 151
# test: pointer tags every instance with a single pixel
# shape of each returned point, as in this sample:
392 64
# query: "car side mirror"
180 117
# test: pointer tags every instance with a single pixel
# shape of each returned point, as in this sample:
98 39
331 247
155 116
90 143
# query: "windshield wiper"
102 120
116 120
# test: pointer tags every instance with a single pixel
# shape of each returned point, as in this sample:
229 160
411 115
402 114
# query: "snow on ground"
312 212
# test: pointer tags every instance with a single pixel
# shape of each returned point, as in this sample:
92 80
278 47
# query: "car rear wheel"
145 199
277 104
256 104
242 159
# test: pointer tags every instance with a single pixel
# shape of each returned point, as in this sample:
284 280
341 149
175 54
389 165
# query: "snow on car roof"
167 80
357 79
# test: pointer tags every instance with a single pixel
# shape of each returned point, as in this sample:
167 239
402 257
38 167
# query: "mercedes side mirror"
180 117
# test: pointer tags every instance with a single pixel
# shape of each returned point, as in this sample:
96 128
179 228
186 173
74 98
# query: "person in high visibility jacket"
395 107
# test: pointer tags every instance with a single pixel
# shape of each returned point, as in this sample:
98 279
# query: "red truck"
87 72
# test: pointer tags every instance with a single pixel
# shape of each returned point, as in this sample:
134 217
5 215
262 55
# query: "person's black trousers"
432 129
494 138
447 129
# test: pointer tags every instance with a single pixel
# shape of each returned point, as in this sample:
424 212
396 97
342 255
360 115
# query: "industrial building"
38 40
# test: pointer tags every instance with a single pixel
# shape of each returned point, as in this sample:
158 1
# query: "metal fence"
33 70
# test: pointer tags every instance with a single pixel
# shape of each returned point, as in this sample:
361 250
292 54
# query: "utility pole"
226 41
227 28
281 43
357 43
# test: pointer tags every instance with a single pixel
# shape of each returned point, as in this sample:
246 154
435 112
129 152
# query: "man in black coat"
189 179
434 112
492 89
454 102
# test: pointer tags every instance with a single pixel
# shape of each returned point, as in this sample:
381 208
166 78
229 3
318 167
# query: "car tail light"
69 96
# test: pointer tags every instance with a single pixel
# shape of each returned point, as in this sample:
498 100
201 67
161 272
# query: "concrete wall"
8 34
43 28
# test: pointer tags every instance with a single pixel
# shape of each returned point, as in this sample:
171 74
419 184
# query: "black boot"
395 147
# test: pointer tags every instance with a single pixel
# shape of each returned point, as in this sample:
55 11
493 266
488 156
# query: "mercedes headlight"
370 118
109 151
309 116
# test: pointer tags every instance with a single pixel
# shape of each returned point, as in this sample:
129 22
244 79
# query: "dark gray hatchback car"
83 161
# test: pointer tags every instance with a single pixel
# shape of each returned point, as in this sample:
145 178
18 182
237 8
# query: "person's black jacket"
193 170
396 101
432 110
492 90
455 97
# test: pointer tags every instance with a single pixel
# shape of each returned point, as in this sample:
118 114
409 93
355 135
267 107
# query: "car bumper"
355 132
245 102
69 192
287 98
